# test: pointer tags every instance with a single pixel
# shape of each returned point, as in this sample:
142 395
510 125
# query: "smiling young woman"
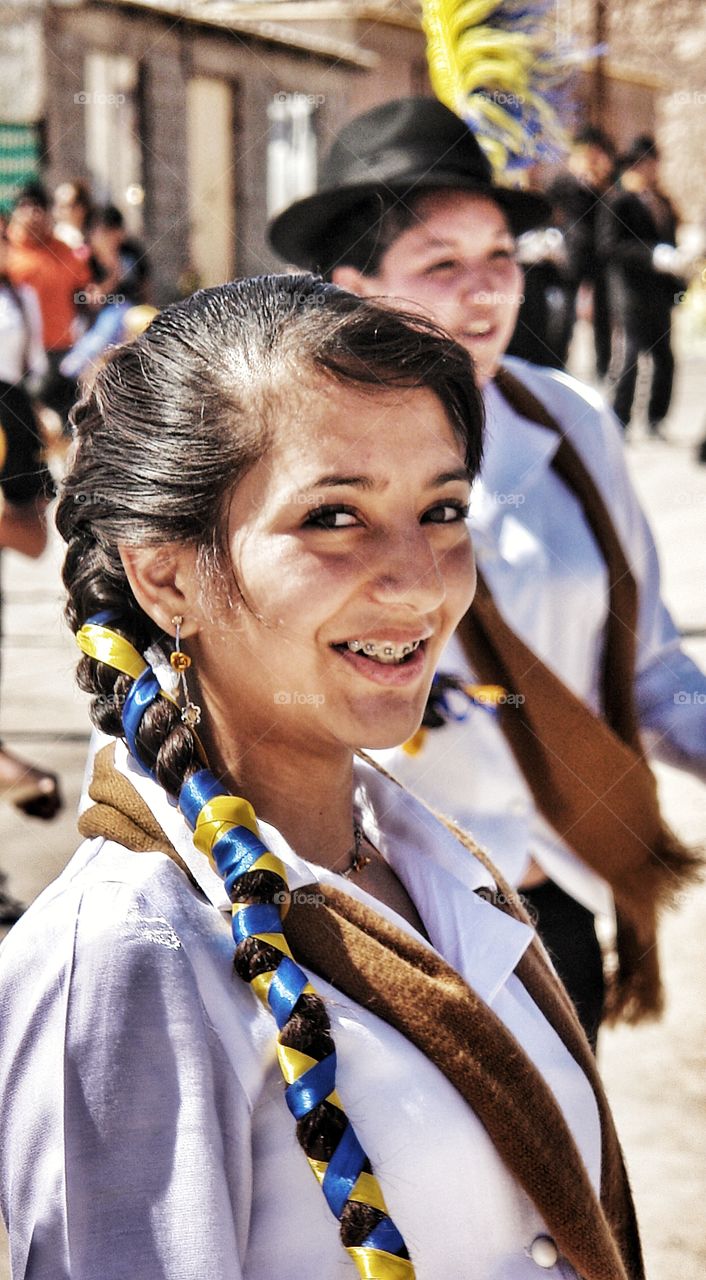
347 543
266 552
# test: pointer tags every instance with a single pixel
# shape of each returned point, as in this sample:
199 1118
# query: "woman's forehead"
346 430
346 416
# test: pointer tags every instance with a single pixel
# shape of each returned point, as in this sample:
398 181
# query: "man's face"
456 264
32 221
592 164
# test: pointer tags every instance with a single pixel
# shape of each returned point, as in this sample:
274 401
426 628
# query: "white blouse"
20 336
549 582
143 1128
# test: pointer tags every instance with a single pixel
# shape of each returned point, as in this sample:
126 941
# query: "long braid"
226 829
173 422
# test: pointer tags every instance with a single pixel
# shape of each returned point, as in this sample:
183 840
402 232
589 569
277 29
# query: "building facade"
200 118
200 127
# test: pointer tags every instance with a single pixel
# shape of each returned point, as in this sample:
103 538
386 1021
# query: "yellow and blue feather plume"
496 64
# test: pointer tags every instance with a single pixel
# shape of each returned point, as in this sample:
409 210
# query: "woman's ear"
165 585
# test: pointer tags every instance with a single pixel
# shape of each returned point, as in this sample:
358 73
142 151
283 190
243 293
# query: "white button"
544 1252
518 805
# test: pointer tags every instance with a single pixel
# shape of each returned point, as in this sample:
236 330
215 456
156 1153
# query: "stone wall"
169 54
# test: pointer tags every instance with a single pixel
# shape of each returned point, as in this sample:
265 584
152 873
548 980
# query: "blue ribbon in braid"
235 850
143 692
225 829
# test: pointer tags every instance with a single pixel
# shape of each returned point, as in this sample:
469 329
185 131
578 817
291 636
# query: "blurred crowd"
70 276
610 255
72 284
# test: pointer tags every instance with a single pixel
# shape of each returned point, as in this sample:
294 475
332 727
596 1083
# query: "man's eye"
446 513
332 517
438 268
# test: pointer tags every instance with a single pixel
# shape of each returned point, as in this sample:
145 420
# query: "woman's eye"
504 255
447 513
332 517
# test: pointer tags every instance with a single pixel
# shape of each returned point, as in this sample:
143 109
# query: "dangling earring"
180 661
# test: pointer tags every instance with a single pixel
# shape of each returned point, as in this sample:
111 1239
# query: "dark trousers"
535 336
568 932
602 323
57 392
646 333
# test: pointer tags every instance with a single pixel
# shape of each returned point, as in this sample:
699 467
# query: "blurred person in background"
121 274
24 491
637 237
72 213
577 197
22 355
119 264
567 631
59 278
537 337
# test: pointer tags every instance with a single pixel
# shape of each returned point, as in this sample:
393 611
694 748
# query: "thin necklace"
358 860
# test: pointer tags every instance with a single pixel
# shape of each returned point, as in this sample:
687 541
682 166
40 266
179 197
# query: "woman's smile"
385 662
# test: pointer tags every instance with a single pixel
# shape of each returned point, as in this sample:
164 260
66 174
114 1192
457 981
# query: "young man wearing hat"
567 618
638 229
577 197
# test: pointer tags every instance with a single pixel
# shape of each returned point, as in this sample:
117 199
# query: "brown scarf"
383 969
588 775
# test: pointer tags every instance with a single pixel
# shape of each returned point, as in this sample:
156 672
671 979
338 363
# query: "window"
110 99
291 151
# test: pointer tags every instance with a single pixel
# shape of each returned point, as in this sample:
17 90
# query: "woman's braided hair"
172 423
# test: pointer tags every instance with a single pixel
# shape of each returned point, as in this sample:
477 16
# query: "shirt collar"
440 875
517 451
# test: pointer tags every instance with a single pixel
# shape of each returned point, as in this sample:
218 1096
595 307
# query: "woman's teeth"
383 650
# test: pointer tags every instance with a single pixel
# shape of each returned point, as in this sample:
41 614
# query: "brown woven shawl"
588 775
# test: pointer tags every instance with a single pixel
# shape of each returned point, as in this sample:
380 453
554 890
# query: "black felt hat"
402 148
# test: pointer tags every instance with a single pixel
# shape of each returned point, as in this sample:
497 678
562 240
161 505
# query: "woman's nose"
410 572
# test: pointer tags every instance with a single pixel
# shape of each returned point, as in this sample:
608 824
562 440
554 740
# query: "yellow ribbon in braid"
216 818
226 832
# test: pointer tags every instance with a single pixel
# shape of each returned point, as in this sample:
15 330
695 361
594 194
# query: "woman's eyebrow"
334 480
429 243
357 482
459 473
